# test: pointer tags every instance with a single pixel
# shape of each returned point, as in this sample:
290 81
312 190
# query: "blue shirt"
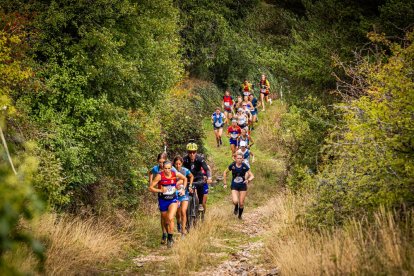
217 119
254 103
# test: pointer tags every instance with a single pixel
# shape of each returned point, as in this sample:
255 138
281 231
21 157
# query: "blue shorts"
233 141
205 189
165 203
253 112
184 197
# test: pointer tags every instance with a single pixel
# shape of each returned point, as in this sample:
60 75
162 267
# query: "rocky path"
245 260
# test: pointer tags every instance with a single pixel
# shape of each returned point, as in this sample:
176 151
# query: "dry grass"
189 254
383 246
74 245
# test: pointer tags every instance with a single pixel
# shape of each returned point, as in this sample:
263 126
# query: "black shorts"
216 127
239 186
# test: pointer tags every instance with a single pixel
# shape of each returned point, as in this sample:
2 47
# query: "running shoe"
200 208
164 239
170 243
236 210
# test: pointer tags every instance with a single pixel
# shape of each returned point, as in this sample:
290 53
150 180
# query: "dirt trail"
245 260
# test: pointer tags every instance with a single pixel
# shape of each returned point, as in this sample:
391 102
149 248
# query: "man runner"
194 162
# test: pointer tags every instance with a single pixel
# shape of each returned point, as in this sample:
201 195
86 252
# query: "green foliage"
301 132
100 71
221 42
369 161
17 201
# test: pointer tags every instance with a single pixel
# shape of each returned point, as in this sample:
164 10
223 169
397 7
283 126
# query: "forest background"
91 91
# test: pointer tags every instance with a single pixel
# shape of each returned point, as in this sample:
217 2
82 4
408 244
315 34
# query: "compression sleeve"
205 167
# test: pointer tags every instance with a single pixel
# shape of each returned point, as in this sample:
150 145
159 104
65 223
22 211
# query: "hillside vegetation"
91 92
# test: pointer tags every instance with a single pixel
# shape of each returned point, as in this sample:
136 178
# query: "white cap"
243 144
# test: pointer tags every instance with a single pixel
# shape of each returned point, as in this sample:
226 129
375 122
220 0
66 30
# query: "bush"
369 161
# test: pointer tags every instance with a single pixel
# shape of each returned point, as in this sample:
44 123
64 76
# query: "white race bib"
234 135
238 179
226 104
170 190
218 124
263 90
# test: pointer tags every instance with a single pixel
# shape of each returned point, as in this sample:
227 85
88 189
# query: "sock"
236 207
164 236
240 211
170 237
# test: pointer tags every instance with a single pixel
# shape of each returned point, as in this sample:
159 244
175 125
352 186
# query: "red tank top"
167 181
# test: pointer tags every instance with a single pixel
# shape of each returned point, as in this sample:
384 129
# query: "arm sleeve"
205 167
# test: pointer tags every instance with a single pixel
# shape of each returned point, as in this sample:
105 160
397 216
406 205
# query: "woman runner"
241 176
233 132
246 153
244 136
162 157
264 91
227 106
254 112
182 209
217 119
165 184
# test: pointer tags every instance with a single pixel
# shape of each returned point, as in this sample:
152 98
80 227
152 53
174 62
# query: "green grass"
267 168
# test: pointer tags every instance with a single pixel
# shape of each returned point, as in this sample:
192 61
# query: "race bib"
226 104
218 124
263 90
246 93
238 179
234 135
170 190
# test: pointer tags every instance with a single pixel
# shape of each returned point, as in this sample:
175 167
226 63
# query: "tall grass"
381 246
73 245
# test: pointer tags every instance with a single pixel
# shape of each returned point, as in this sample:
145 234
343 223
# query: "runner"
264 91
254 112
241 176
162 157
205 188
217 119
227 106
242 119
182 209
233 132
238 103
165 184
246 88
245 137
246 153
194 162
247 107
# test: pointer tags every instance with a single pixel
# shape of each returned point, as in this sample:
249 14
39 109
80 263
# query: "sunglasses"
192 152
244 105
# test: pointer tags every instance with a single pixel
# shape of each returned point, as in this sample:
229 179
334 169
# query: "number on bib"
170 190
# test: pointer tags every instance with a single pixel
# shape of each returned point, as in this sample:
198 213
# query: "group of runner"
173 181
243 115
